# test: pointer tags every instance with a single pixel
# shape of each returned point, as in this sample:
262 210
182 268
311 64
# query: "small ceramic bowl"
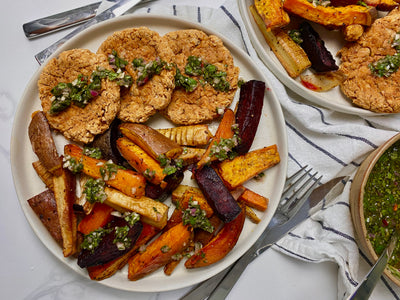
357 205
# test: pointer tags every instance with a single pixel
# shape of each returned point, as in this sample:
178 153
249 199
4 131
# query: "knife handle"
44 54
60 21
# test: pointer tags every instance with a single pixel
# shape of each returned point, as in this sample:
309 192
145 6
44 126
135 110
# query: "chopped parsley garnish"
117 62
94 190
149 174
93 239
165 249
131 218
146 70
196 217
390 63
295 35
84 88
92 152
121 240
170 166
187 83
224 148
108 170
72 164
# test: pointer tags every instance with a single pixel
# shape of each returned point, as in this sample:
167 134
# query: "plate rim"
292 84
21 111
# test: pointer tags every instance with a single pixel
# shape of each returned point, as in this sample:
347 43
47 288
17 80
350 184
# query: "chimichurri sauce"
382 202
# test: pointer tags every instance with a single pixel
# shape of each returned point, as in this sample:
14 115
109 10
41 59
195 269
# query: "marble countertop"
30 271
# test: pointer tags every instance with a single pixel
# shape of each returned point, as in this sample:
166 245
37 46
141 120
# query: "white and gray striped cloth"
330 142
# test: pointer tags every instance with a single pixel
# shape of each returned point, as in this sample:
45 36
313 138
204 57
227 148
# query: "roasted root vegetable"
43 174
237 171
254 200
141 161
383 5
43 144
45 207
272 13
64 194
191 155
331 16
224 131
320 57
101 272
191 135
219 246
129 182
151 211
217 194
159 193
248 113
150 140
115 242
252 215
290 55
98 217
322 82
160 251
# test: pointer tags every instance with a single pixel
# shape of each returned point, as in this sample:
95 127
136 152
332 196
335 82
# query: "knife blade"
367 285
114 11
63 20
272 234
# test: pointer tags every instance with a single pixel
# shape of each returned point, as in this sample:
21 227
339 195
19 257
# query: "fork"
297 189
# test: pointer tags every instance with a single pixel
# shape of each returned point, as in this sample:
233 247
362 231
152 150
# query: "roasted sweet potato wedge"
43 144
64 193
237 171
98 217
272 13
45 207
254 200
219 246
160 251
331 16
150 140
127 181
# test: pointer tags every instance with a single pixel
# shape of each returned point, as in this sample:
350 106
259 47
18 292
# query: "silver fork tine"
289 179
293 204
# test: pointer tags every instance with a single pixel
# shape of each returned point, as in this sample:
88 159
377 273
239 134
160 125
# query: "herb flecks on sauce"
196 217
390 63
382 200
147 70
84 88
94 190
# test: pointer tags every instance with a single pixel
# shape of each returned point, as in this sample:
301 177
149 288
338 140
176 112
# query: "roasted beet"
217 194
320 57
107 250
248 113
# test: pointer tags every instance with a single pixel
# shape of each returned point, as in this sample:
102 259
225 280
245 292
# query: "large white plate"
333 99
271 131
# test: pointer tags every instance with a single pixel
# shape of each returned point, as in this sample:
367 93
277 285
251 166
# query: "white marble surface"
29 271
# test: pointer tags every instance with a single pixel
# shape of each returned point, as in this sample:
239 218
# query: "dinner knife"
63 20
367 285
114 11
219 286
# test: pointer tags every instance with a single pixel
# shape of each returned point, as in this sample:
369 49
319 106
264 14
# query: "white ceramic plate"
333 99
271 131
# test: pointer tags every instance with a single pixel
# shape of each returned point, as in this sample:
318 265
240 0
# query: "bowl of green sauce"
375 204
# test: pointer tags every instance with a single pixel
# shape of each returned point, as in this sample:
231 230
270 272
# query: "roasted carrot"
129 182
99 216
254 200
224 131
160 251
219 246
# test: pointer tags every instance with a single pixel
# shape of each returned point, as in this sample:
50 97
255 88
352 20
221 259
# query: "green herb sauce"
382 202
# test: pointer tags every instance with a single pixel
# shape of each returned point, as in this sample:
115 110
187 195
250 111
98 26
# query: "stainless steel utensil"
116 10
289 214
60 21
367 285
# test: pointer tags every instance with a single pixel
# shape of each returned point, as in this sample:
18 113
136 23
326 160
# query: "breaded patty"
139 103
76 123
378 94
202 104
